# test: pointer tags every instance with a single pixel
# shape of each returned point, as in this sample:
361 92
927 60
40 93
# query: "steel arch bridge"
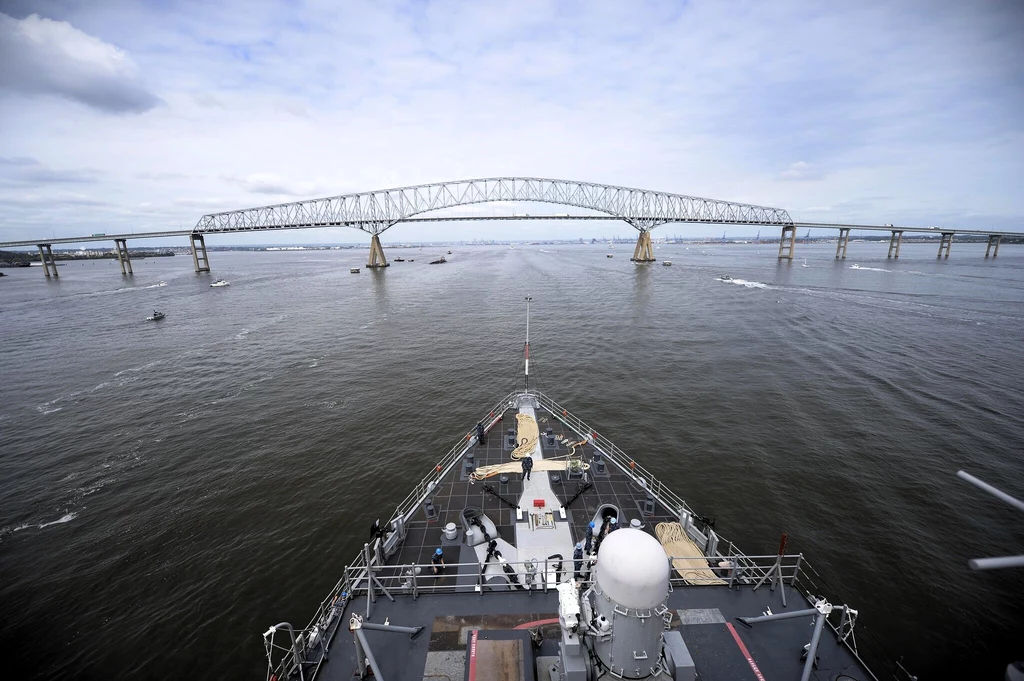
376 211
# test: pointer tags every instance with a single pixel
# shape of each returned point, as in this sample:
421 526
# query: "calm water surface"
169 490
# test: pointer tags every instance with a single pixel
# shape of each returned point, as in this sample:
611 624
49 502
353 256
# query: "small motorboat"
666 263
412 259
156 316
449 252
609 256
354 270
399 259
439 261
220 283
725 277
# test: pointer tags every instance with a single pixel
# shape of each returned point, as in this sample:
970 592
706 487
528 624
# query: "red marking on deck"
743 649
472 656
538 503
535 623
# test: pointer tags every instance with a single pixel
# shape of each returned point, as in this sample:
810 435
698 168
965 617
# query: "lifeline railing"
358 579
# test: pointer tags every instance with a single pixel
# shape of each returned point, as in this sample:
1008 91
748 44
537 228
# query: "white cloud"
890 108
41 56
801 170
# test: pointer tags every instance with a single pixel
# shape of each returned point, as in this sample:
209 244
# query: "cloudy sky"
119 116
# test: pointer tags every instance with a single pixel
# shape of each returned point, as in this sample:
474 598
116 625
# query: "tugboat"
439 261
594 570
156 316
220 283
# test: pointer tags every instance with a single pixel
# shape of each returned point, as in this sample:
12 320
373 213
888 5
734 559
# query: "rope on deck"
484 472
676 542
527 434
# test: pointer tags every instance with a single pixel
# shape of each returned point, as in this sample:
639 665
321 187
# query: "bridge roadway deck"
356 225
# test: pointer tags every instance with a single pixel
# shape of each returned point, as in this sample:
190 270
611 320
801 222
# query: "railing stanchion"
796 569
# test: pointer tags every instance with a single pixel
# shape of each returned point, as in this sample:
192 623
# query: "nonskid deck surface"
703 615
722 648
613 487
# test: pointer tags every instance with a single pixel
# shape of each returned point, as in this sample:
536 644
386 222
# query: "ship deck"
451 605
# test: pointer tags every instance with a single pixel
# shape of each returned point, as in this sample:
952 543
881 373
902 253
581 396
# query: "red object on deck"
538 503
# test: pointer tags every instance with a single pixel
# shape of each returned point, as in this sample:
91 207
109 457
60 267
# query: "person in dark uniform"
577 565
437 562
613 525
527 466
590 537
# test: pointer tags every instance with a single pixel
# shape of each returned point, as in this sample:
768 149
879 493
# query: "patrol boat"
590 568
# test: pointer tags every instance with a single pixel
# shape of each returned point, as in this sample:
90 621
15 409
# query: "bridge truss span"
376 211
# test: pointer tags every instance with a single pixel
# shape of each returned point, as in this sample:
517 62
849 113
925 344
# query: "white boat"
666 263
354 270
805 263
220 283
155 317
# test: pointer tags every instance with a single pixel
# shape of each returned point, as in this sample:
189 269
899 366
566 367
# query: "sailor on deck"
527 466
577 558
437 562
590 537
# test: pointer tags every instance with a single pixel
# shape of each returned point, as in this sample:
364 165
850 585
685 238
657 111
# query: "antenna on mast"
527 349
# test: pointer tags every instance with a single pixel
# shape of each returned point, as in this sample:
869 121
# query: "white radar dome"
632 569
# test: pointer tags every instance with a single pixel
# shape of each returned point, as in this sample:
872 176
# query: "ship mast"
527 349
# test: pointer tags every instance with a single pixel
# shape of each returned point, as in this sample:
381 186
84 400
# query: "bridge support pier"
944 244
377 258
844 241
199 257
121 246
787 242
993 240
894 243
643 251
46 255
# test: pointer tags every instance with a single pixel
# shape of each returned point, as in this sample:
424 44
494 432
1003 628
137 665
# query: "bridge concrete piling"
643 251
993 240
844 241
199 257
121 247
49 262
377 258
787 242
894 244
944 244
